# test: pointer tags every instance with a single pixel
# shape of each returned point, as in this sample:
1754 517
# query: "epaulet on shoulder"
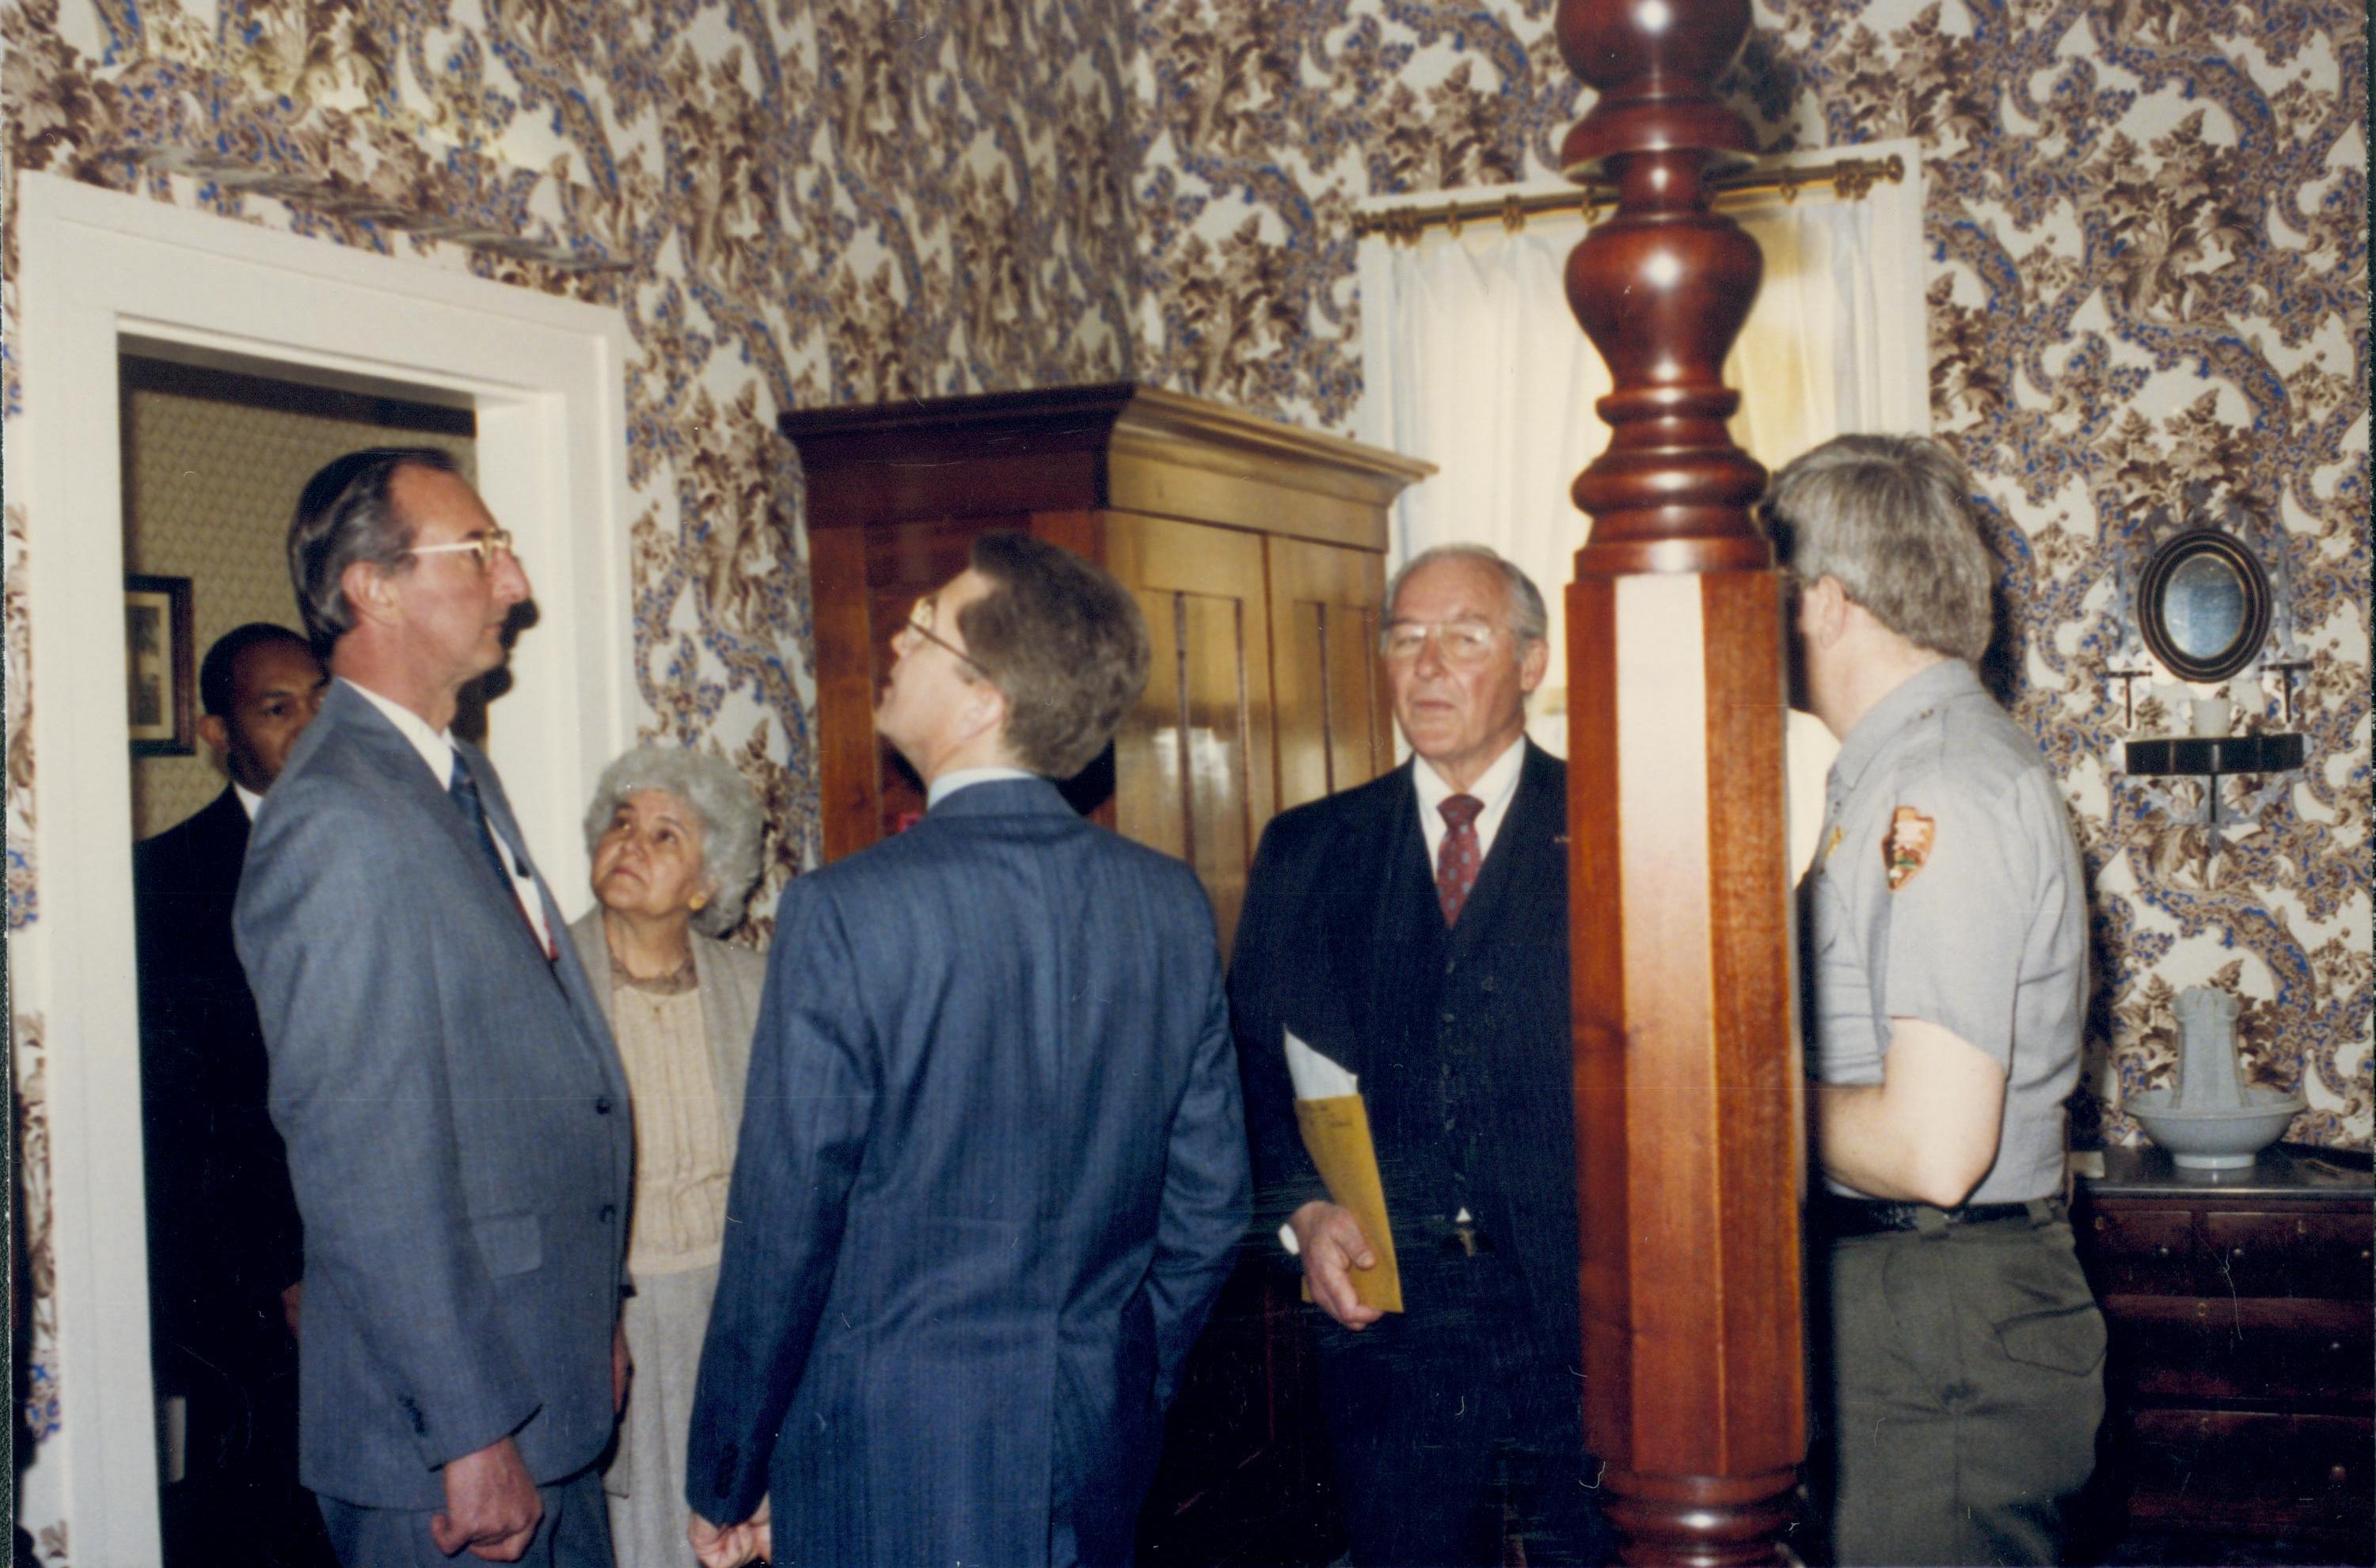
1938 761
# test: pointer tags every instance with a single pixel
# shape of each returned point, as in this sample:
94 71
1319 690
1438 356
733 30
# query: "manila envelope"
1336 1130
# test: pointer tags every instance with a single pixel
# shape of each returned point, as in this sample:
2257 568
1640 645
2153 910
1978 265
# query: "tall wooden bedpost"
1687 1066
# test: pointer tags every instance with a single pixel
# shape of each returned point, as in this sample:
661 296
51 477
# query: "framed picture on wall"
157 666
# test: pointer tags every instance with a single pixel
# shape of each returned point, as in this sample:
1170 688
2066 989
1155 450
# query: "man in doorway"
225 1268
1414 930
454 1109
993 1167
1944 928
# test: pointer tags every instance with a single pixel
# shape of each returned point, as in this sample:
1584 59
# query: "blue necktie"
465 791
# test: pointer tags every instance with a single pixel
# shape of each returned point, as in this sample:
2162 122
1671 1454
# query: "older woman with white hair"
674 836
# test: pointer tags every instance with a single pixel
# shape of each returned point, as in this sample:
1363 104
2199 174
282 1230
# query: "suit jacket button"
602 1106
608 1213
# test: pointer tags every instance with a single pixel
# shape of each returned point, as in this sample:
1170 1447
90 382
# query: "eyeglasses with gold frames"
920 617
483 546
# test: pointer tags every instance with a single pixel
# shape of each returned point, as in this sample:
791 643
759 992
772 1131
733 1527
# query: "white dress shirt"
1496 787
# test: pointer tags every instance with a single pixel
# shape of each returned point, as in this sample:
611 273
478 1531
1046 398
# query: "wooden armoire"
1257 552
1257 549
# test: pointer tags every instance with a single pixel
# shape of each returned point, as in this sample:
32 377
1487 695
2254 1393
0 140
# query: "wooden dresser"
2240 1425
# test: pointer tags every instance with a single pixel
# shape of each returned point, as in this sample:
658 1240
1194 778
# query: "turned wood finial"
1688 1100
1663 286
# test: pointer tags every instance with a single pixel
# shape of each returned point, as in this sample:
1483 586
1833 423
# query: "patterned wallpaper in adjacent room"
2146 221
212 466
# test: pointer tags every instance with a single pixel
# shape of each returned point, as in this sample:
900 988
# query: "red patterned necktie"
1456 860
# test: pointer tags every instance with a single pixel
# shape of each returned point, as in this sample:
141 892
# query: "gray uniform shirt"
1946 887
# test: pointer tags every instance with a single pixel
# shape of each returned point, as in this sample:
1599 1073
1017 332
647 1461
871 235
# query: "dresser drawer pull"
2338 1475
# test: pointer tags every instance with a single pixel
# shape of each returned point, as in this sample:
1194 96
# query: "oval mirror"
2202 605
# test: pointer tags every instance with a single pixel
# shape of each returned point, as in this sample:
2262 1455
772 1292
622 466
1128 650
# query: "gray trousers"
576 1531
1959 1392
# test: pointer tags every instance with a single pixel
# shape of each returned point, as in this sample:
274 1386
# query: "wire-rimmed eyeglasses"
483 546
920 616
1462 644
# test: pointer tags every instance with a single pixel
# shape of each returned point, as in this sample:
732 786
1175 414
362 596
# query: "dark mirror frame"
2153 621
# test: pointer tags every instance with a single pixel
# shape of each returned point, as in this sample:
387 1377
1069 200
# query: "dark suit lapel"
1407 905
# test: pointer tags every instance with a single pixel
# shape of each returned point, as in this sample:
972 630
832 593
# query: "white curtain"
1474 363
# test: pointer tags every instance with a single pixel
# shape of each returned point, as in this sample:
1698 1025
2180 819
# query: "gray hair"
1891 518
344 516
1530 622
720 797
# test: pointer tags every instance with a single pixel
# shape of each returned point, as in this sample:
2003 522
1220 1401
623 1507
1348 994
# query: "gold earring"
698 900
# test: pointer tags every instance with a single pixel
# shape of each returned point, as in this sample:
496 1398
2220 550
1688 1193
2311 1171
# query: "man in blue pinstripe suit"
992 1166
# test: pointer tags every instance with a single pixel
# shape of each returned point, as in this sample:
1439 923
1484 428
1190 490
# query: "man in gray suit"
454 1109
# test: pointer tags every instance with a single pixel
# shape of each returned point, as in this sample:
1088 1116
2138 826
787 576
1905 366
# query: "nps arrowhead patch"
1906 848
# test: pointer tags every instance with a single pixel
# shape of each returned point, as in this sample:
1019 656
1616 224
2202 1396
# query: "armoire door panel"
1150 800
850 782
1330 704
1194 760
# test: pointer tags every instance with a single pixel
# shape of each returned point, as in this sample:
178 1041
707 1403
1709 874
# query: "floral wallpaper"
2148 297
2148 283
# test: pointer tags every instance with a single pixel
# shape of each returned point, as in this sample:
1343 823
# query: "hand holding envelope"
1335 1128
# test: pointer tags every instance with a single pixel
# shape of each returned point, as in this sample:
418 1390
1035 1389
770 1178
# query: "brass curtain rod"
1852 179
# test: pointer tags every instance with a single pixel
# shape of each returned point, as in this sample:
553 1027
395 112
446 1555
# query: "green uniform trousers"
1964 1383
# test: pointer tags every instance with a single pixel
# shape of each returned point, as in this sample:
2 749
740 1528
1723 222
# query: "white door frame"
547 378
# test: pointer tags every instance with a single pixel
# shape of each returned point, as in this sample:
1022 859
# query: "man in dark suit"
1414 931
993 1167
225 1270
454 1109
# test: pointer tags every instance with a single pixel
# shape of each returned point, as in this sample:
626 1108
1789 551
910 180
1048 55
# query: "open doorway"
543 379
213 459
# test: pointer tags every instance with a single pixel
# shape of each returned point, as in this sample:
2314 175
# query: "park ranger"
1943 925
